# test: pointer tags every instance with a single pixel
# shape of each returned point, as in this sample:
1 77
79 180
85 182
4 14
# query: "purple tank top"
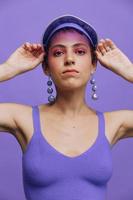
51 175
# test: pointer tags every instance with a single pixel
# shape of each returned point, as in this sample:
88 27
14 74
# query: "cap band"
73 25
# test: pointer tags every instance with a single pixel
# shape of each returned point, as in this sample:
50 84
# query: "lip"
70 70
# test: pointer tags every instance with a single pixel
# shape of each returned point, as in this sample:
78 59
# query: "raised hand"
111 57
26 57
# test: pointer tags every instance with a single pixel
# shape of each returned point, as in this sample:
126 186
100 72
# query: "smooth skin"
112 58
29 56
74 54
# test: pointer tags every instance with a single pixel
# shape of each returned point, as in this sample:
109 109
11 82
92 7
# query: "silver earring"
51 98
94 95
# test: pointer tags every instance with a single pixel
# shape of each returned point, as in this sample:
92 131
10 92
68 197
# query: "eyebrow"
63 46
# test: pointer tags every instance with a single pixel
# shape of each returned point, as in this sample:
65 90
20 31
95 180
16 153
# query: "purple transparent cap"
72 22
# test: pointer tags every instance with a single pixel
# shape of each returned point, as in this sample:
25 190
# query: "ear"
94 66
45 69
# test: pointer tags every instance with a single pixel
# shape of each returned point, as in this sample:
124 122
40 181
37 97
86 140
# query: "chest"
70 137
73 141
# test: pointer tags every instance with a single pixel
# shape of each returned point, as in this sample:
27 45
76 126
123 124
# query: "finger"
41 57
98 54
25 46
106 45
98 51
36 47
41 52
40 47
28 46
101 48
110 43
38 52
33 47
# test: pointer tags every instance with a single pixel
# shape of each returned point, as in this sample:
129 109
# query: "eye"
57 53
81 52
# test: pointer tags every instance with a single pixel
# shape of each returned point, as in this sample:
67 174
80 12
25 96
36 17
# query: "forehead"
69 35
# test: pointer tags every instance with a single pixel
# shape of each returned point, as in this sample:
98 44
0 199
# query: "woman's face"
69 50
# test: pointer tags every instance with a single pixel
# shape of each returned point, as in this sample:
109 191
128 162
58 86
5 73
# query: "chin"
71 86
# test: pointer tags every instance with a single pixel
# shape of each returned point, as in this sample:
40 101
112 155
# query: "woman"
66 153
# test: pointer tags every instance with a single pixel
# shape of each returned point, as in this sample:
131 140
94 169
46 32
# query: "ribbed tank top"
51 175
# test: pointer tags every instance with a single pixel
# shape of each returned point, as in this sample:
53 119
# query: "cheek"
85 67
88 58
85 58
54 67
85 63
54 63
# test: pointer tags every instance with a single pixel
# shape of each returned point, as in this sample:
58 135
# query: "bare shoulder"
24 123
13 118
9 113
21 111
22 114
118 123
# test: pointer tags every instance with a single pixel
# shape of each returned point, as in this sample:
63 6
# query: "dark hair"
45 62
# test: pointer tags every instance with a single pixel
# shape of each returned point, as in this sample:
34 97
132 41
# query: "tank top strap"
101 122
36 119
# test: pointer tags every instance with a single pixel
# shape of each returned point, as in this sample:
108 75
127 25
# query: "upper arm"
8 113
120 125
125 123
127 117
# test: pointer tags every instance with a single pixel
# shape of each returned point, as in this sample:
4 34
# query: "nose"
69 59
69 62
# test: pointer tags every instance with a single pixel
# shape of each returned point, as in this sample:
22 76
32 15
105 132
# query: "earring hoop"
51 98
94 95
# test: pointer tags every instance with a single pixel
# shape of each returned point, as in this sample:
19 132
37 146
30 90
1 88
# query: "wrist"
130 73
11 68
8 71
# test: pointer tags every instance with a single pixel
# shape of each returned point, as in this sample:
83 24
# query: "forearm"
7 72
130 74
126 73
111 57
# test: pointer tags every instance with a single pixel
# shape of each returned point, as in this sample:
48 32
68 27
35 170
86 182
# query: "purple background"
22 21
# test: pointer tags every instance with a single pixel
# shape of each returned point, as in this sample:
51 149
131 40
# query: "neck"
71 103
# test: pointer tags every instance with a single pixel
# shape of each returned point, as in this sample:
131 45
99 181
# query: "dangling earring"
51 98
94 96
